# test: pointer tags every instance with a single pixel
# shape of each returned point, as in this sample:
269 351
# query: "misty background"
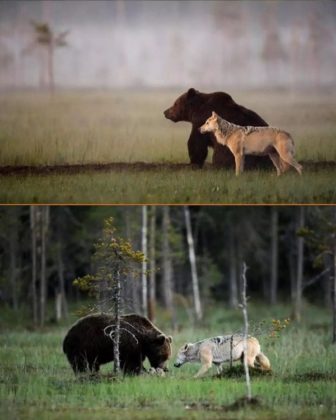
243 44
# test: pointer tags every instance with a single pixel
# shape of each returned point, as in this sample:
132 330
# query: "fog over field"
245 44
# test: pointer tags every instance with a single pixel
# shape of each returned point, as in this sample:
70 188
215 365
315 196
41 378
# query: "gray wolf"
221 349
241 141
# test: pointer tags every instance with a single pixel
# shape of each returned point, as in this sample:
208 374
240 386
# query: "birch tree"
274 255
167 268
39 222
300 262
233 299
246 326
152 268
144 262
192 260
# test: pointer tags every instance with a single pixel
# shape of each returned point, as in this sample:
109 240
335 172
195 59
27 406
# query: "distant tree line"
194 256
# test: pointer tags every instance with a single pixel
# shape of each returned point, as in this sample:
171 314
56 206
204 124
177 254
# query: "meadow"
37 382
67 149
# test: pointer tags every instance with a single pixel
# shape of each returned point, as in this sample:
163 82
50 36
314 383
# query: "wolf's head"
185 354
211 124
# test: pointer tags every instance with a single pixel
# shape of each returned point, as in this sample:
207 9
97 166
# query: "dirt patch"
239 372
91 167
129 167
243 402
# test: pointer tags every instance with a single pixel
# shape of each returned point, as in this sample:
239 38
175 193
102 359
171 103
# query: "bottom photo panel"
168 312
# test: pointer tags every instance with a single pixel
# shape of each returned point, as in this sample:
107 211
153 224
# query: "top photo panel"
167 102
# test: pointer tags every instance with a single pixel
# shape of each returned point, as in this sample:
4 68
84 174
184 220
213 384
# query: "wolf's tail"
263 361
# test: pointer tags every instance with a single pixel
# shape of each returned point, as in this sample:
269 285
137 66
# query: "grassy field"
36 380
86 127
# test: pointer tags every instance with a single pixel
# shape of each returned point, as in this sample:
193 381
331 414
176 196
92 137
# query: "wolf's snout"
166 113
177 365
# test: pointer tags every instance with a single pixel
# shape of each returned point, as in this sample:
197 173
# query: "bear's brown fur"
196 107
87 346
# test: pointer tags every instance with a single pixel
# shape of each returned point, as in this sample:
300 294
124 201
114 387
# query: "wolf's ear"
186 346
191 93
214 115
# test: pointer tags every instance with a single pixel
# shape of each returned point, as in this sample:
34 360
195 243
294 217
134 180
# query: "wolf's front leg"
239 160
206 360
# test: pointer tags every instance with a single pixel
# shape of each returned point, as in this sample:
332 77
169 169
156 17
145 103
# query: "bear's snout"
169 114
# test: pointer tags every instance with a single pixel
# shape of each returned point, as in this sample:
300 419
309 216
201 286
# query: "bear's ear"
191 93
160 339
170 338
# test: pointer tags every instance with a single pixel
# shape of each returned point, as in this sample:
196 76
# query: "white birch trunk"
300 261
117 312
334 283
144 292
192 259
33 281
246 325
274 255
152 273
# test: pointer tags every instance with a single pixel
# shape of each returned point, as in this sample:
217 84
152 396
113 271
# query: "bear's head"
159 350
183 105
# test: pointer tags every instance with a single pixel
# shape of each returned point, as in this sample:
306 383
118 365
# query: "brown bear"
89 345
196 107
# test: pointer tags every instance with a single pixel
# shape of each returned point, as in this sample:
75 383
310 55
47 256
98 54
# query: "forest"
289 251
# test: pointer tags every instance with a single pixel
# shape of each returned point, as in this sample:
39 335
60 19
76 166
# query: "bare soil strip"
123 166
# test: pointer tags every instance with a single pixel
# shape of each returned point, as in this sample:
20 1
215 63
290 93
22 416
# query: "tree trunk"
192 259
58 305
152 268
167 269
334 294
246 325
300 262
274 255
144 263
233 300
61 288
334 282
117 314
133 290
50 52
13 242
44 220
34 261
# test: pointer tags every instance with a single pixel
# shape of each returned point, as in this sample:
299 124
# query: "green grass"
86 127
184 186
36 380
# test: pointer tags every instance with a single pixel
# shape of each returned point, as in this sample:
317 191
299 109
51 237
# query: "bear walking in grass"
196 107
88 343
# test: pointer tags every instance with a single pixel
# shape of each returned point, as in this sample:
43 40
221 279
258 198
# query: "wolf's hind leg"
276 162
